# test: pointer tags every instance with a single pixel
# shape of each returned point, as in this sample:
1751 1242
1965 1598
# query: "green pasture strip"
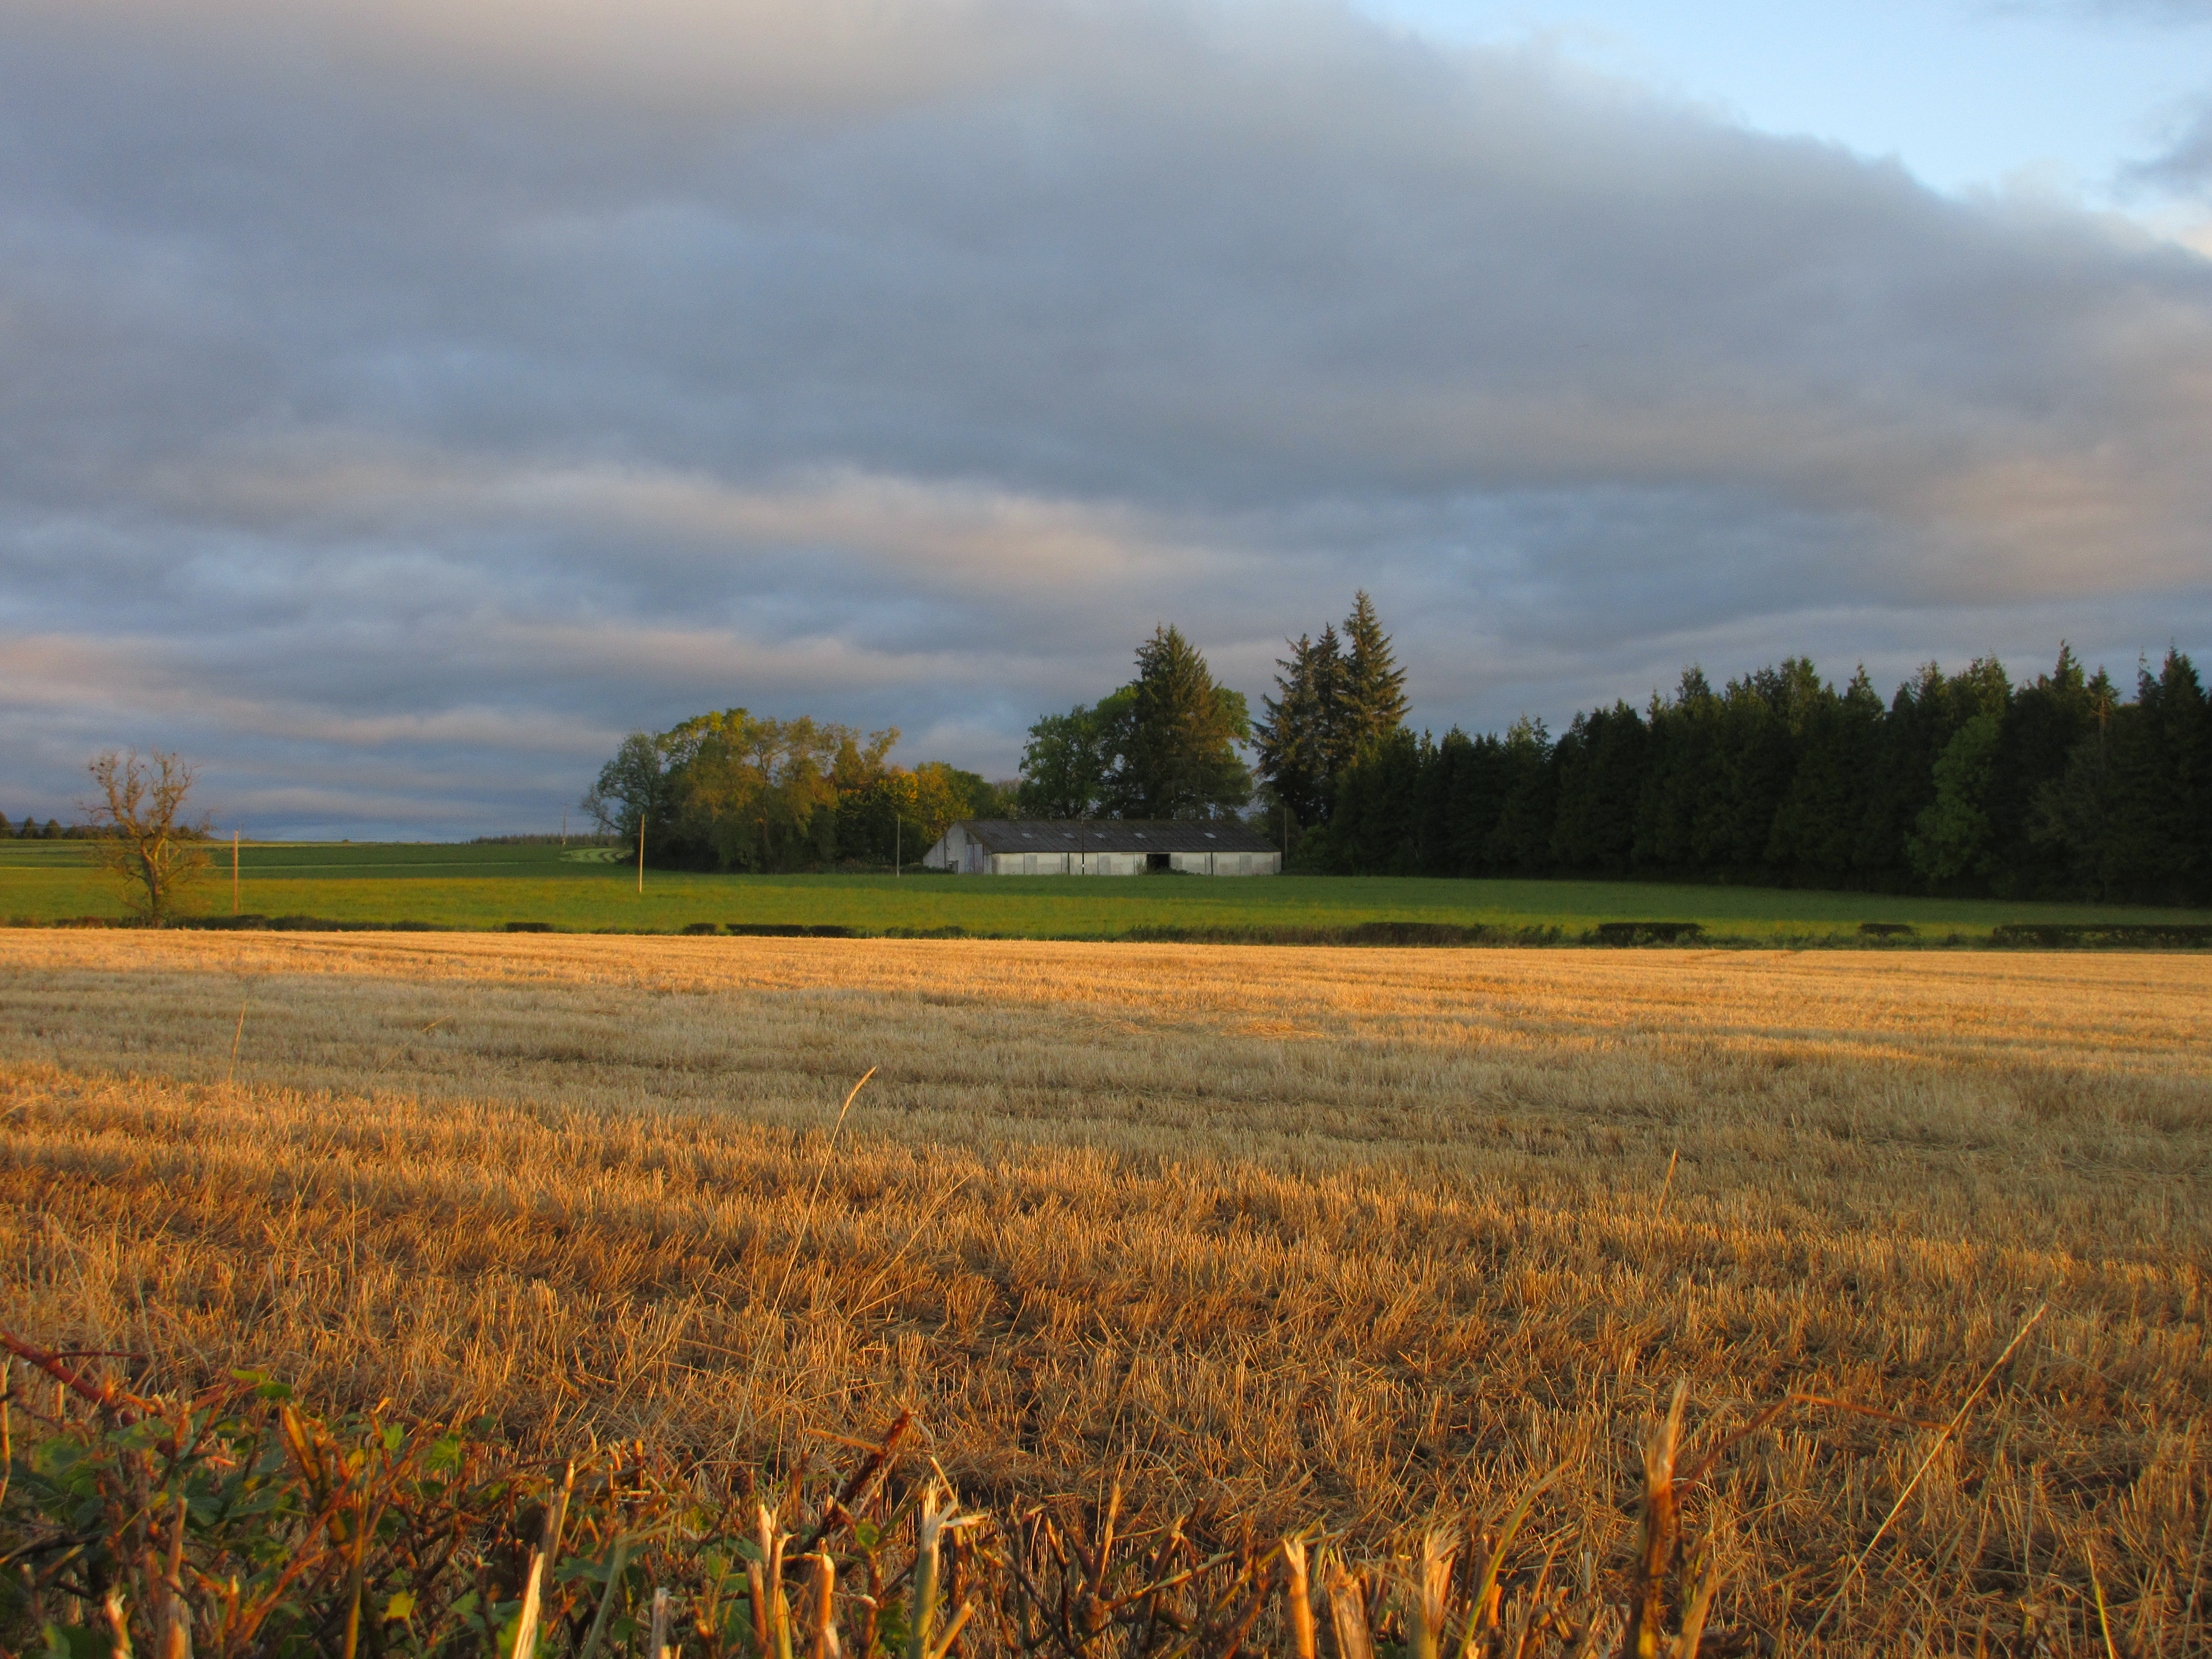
346 860
471 888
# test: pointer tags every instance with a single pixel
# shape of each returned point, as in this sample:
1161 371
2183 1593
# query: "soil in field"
1368 1237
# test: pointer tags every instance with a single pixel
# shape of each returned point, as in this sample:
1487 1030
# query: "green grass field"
476 887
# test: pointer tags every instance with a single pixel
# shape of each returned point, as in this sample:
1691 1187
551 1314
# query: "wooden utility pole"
564 826
640 856
234 869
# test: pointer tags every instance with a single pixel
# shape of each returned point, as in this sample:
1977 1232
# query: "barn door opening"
1154 861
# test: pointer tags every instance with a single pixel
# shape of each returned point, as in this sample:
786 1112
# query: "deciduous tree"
1069 762
145 841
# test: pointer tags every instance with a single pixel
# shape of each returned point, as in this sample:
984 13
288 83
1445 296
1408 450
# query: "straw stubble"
1372 1238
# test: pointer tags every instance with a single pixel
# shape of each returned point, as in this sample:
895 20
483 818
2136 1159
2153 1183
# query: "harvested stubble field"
1371 1238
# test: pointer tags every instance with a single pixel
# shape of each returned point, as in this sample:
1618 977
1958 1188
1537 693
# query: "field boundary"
1386 934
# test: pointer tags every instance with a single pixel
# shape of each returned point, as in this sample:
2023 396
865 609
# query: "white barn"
1096 846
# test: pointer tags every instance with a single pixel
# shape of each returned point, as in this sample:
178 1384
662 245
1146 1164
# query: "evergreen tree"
1481 776
1758 722
1520 840
1921 717
1816 827
1180 760
2074 813
1433 805
1373 701
1680 772
1338 698
2048 718
2159 764
1376 828
1600 765
1295 750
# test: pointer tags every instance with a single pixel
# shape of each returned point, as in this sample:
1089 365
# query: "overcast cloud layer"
399 402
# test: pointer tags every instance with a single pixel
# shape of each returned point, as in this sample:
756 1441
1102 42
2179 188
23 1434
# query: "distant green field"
475 887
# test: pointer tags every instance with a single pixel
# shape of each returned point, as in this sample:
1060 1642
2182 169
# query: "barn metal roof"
1115 835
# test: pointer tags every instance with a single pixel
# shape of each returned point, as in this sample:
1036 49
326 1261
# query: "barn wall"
1122 864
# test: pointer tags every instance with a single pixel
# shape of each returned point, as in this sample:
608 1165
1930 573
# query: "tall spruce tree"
2075 813
1521 839
2048 718
1373 701
1339 699
1292 738
1599 766
1184 729
1680 772
2159 758
1816 829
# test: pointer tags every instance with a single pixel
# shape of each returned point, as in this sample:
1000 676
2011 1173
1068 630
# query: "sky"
399 401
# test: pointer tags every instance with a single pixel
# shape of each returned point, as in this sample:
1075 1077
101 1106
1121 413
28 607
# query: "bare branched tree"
145 841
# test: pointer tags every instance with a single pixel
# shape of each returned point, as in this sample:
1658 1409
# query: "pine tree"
1339 699
2048 719
2075 813
1817 826
1293 737
1373 702
1600 765
1377 827
1680 772
1520 840
1481 779
1183 731
2158 759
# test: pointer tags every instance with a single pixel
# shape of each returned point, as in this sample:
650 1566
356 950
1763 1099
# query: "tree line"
29 829
736 790
1963 784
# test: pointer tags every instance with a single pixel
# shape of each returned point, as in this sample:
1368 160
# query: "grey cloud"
2183 167
405 391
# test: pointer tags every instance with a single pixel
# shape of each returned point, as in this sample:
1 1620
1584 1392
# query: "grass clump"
234 1523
